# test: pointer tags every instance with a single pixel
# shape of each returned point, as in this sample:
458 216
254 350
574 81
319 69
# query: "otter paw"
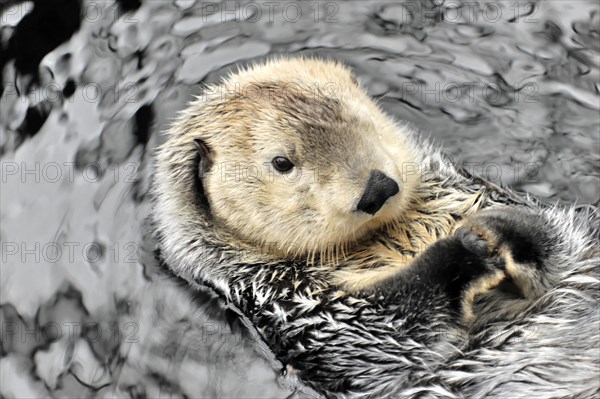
484 263
483 244
473 240
520 237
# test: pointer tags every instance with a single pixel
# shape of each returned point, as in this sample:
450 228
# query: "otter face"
294 166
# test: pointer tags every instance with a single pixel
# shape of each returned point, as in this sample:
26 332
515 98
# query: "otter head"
291 157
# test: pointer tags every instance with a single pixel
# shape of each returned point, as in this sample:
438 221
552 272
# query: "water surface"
509 89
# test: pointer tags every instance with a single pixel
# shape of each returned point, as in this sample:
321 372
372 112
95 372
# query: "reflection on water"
510 89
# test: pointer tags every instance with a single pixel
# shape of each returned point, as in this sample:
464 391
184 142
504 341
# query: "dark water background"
510 89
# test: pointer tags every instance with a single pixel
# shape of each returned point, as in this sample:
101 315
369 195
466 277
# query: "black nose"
379 189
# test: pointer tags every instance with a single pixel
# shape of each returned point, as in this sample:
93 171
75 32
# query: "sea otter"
365 259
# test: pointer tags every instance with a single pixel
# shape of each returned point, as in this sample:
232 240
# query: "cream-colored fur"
311 209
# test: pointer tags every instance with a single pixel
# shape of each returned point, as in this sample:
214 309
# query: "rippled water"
510 90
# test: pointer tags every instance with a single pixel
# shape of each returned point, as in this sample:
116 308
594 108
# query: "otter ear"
204 154
201 147
203 164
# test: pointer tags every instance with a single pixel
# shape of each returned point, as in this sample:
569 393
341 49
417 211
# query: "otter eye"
282 164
